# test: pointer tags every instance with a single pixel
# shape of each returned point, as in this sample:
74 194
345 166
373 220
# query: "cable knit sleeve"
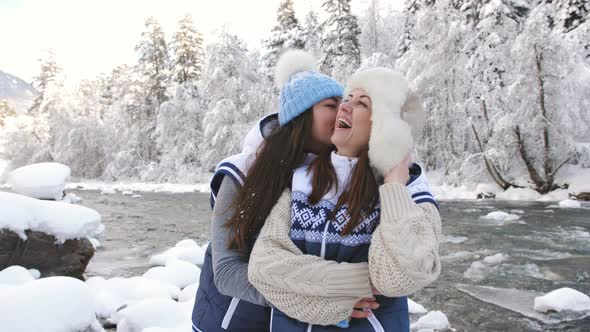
305 287
403 256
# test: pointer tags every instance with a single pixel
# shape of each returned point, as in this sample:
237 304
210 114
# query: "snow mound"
17 275
434 320
416 308
187 250
176 272
455 239
42 180
112 294
188 293
127 193
49 304
569 203
62 220
154 313
562 299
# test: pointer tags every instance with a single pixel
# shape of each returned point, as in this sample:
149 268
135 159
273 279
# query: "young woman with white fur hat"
246 186
358 221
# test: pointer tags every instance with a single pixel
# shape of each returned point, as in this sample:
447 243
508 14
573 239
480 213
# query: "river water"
545 248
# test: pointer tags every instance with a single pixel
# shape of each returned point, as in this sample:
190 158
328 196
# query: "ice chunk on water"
500 217
455 239
495 259
563 299
520 301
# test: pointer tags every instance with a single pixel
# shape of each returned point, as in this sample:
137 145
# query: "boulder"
583 196
42 251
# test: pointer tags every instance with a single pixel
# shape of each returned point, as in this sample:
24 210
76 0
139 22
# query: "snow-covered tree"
187 50
569 14
153 61
5 111
47 79
340 41
287 34
235 85
312 33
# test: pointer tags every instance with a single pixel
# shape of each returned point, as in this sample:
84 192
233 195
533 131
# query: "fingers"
361 314
366 304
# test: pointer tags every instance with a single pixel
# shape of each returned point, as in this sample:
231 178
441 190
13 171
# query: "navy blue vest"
213 311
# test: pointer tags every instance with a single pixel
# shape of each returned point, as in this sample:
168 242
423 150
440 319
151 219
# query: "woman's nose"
346 106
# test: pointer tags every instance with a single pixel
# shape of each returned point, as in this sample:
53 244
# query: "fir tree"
312 33
341 37
187 48
287 34
47 78
153 61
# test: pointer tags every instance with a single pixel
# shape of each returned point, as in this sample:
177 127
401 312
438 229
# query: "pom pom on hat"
291 62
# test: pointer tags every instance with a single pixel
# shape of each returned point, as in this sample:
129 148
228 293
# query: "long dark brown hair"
270 174
362 193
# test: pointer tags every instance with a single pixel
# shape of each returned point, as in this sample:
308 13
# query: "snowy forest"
506 86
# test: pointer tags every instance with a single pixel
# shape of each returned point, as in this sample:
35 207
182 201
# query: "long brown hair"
360 197
269 175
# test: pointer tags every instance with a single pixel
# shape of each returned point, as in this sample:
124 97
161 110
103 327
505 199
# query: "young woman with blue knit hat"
246 186
358 221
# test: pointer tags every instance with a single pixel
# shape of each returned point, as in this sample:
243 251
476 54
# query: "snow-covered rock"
153 313
52 304
562 299
42 180
188 293
72 198
495 259
127 193
176 272
112 294
16 275
62 220
95 242
416 308
500 216
186 250
434 320
569 203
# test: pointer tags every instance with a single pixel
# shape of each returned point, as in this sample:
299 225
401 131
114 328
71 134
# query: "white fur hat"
397 115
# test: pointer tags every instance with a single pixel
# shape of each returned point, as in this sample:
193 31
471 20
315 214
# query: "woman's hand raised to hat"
400 173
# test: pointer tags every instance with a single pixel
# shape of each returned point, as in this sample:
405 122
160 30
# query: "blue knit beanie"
301 86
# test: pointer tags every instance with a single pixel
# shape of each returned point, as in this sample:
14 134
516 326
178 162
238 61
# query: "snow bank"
518 194
112 294
42 180
562 299
141 187
434 320
186 250
50 304
17 275
64 221
155 313
176 272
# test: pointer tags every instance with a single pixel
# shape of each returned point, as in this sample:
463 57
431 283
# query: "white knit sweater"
403 258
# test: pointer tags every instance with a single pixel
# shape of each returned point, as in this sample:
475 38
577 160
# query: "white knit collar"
342 163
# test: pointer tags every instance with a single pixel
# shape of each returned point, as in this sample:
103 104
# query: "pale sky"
94 36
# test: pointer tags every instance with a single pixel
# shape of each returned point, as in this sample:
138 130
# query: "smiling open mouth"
342 123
